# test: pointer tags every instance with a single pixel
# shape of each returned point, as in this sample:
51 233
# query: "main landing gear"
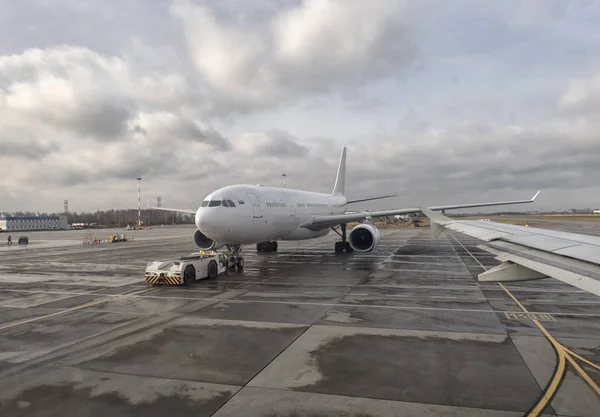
235 260
343 245
266 246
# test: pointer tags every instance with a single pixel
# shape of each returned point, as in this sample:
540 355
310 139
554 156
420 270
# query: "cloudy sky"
441 102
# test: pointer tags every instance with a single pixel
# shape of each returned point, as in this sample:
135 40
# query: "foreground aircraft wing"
323 222
530 253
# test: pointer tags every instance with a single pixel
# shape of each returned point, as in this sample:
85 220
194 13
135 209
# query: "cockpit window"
217 203
240 201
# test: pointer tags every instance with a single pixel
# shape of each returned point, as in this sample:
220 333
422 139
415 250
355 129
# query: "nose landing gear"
235 260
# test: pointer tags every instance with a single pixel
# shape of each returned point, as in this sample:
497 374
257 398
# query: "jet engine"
204 242
364 238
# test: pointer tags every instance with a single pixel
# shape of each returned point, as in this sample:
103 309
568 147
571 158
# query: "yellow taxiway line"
564 354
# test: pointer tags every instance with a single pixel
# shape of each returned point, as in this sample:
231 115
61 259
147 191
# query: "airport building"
17 224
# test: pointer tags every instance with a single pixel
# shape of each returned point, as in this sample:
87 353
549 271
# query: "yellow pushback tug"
186 269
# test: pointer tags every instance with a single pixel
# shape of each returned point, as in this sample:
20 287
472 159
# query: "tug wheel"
212 270
189 275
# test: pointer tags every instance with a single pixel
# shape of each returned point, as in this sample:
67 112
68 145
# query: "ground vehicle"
186 269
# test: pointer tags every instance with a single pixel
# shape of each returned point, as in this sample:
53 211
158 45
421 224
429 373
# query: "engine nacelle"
204 242
364 238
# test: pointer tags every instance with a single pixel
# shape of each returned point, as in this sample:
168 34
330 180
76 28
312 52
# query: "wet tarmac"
403 331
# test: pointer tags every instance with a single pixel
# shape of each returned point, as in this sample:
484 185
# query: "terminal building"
18 224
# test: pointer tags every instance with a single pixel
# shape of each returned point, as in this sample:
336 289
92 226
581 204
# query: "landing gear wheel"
232 263
338 247
343 247
270 246
240 263
212 270
189 275
347 247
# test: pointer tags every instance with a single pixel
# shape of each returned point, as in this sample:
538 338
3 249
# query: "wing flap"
582 276
510 272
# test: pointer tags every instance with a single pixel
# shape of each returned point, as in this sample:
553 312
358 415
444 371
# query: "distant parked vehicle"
23 240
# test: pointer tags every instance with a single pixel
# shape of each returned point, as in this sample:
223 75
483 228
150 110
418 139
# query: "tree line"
116 218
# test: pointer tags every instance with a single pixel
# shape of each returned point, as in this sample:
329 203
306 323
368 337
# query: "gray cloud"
271 144
112 121
190 130
449 166
313 46
582 95
21 144
102 121
291 83
466 161
67 89
77 90
168 127
66 176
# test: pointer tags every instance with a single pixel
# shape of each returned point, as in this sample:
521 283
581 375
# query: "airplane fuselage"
263 213
260 214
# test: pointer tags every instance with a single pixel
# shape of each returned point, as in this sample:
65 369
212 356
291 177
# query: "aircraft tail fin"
340 180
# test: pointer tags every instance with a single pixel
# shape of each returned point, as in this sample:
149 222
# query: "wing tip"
536 194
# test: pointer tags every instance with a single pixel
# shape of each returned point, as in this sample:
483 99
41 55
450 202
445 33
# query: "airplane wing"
323 222
372 198
530 253
174 210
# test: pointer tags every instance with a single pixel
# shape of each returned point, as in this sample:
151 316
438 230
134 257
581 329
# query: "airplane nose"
198 218
204 220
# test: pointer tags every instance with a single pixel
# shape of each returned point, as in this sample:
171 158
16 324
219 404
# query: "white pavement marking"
313 304
561 302
536 290
84 281
314 292
443 273
49 292
68 310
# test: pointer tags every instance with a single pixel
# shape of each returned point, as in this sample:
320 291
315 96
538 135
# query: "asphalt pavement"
403 331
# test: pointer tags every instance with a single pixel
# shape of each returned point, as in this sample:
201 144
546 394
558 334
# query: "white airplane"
240 215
